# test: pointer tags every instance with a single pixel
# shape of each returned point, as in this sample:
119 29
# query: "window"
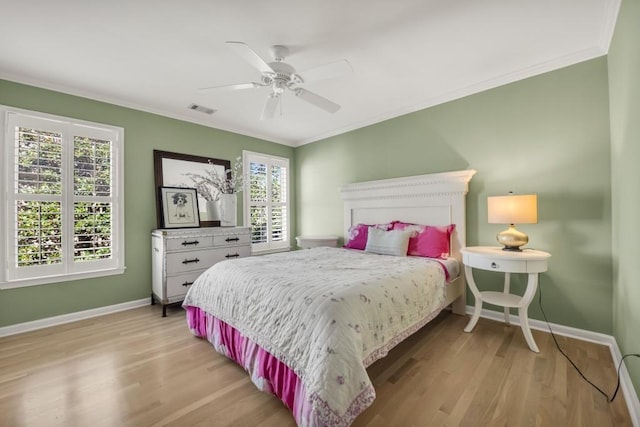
266 201
64 216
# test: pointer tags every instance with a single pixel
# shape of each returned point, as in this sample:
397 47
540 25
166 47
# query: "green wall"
624 88
547 135
144 132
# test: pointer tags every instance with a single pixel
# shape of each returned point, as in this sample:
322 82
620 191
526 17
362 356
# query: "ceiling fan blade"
317 100
270 106
327 71
238 86
250 56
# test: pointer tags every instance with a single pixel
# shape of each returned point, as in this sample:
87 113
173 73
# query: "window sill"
22 283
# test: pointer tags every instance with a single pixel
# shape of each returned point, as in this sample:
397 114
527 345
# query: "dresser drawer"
232 252
189 243
231 240
178 262
177 286
496 264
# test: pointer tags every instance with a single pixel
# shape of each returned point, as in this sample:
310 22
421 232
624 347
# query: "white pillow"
392 242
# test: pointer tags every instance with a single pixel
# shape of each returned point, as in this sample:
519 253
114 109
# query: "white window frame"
269 160
10 275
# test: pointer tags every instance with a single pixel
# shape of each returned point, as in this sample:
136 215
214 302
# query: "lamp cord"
574 365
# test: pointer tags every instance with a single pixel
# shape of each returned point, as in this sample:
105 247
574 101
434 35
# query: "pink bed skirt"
267 372
271 375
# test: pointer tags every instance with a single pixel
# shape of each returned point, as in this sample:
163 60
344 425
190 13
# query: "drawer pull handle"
193 242
494 265
231 239
189 261
187 284
236 255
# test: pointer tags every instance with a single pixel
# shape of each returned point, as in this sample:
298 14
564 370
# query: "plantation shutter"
278 202
267 201
37 209
93 206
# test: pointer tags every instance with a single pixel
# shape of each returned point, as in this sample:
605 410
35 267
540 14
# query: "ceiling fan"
279 76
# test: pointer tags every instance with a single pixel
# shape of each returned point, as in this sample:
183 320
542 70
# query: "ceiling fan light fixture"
279 86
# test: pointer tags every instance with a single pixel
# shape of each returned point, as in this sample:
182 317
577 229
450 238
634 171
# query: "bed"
306 324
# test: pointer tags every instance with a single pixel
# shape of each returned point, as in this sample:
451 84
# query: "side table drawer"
503 265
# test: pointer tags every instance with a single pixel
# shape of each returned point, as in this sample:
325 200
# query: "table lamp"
513 209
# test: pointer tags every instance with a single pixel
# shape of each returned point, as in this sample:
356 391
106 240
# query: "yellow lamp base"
512 239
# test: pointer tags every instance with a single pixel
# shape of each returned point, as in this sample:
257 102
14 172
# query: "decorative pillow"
359 233
427 240
392 242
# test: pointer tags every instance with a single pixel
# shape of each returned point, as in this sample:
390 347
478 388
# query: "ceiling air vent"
200 108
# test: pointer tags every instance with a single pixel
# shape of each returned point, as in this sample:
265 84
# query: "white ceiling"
406 54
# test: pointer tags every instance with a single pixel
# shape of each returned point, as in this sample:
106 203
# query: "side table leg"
474 318
529 293
526 330
478 307
507 289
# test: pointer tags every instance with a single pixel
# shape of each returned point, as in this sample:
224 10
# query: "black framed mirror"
172 169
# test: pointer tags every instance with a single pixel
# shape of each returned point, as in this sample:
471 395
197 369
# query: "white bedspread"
327 313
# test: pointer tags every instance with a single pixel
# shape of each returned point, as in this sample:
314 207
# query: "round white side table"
307 242
529 261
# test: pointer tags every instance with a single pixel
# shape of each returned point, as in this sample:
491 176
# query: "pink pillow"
428 240
358 235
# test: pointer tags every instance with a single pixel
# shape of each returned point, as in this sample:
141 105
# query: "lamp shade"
513 209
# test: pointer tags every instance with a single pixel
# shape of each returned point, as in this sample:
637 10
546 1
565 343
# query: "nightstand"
529 261
308 242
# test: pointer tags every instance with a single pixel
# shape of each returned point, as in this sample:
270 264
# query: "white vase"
213 210
228 210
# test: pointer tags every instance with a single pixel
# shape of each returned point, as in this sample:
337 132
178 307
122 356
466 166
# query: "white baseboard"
71 317
630 395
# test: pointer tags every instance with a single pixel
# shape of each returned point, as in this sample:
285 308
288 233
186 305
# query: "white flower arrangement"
211 185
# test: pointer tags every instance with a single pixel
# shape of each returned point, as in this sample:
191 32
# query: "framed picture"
179 207
173 169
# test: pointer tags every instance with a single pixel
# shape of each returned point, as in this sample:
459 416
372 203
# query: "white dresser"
180 256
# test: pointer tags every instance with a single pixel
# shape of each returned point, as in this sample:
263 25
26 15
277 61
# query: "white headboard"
434 199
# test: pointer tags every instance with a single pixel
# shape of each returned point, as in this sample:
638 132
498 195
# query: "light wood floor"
136 368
